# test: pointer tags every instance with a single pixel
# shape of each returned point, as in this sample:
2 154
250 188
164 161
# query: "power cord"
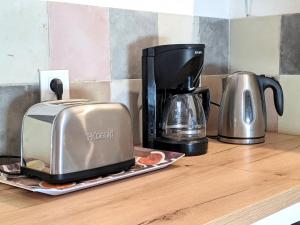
212 136
216 104
213 103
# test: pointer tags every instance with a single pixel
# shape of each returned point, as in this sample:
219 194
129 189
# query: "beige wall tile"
289 123
129 92
254 44
98 91
214 83
272 116
23 40
176 29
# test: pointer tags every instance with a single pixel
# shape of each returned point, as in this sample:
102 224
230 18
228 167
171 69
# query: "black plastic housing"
80 175
168 70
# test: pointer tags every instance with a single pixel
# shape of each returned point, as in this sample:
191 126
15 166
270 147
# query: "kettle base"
241 141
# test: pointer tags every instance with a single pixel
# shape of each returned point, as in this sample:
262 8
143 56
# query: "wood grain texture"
232 184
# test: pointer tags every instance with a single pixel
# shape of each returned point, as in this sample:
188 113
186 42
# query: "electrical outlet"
46 76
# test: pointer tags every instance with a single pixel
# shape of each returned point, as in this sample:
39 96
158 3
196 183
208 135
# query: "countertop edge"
261 209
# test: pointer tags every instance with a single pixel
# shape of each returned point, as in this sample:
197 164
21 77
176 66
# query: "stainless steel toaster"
64 141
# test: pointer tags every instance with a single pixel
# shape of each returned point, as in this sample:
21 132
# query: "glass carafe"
184 118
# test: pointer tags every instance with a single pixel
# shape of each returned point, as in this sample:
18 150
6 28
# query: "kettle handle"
204 91
266 82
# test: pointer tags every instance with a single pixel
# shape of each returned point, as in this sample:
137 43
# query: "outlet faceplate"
45 78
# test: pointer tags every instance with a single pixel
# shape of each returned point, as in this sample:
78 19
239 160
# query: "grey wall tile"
290 44
177 29
24 40
14 101
130 32
214 33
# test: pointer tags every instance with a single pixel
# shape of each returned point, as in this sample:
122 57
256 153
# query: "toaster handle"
266 82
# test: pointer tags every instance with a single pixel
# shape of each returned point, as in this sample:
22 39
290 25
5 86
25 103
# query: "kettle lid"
243 73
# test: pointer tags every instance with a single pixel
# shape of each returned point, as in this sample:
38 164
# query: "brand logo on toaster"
100 135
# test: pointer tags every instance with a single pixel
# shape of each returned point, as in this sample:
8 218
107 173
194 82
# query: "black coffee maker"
173 71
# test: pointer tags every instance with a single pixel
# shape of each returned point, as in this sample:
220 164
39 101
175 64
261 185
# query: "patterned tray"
147 160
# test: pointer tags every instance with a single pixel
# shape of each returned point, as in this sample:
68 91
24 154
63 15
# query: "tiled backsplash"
214 33
102 47
290 47
254 44
130 32
23 40
79 41
271 45
14 102
290 122
129 93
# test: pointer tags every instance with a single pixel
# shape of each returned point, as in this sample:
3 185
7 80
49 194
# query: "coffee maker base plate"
189 148
241 141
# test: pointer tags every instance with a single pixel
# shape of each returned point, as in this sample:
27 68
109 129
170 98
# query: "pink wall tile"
79 40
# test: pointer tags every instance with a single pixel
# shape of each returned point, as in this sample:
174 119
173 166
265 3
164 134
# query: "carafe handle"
266 82
204 91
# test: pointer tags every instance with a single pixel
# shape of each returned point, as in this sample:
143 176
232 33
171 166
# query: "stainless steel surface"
241 112
77 135
242 141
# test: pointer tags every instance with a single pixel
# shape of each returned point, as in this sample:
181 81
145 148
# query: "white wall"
212 8
208 8
264 7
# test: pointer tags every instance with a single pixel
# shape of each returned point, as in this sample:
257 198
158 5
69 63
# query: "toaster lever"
56 86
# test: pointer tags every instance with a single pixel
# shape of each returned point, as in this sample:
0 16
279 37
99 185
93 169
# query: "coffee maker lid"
176 67
152 51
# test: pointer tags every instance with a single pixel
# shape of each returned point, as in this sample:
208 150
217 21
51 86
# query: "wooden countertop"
231 184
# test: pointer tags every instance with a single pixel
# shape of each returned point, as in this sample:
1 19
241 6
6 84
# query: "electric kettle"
242 116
